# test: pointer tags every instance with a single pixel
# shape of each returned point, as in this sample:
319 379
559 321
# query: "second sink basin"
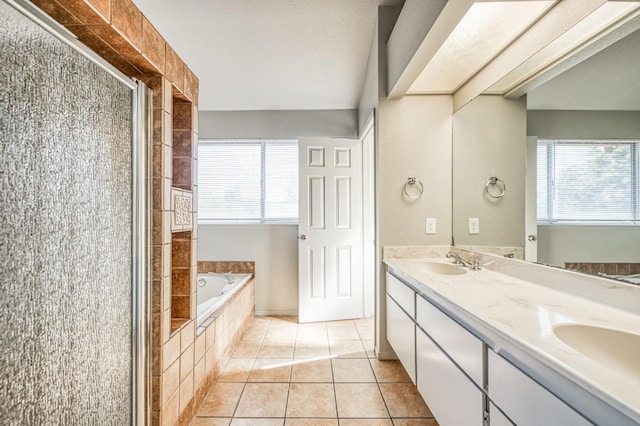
615 349
437 268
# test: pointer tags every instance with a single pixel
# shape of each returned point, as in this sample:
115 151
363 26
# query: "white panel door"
330 229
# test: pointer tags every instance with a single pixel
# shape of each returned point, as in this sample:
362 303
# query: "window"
248 181
588 181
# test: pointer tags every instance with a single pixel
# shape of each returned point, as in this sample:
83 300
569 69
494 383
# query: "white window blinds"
248 181
587 181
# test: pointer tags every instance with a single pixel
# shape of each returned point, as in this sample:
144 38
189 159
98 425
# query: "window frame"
550 176
262 220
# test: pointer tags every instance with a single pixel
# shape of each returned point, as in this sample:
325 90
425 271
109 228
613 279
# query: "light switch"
430 227
474 225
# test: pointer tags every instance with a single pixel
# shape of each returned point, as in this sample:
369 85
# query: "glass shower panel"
65 233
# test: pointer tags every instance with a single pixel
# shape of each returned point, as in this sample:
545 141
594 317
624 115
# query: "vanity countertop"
511 312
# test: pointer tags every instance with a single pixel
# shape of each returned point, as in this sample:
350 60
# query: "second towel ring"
412 181
494 181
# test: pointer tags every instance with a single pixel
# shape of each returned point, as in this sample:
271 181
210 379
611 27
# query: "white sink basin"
618 350
437 268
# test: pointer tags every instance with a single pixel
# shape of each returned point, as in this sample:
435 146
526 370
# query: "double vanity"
515 343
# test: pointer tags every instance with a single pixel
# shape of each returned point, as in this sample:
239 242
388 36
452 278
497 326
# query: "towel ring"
494 181
412 181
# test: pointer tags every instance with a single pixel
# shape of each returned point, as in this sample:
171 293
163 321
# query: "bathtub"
213 292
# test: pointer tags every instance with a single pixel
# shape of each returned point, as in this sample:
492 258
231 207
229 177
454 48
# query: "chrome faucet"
473 264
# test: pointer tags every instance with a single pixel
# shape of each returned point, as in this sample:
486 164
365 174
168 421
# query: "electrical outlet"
474 226
430 227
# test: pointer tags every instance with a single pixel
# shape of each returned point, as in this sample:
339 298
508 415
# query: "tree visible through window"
588 181
248 181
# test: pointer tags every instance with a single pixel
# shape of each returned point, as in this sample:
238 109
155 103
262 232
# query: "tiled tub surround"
214 290
198 361
513 305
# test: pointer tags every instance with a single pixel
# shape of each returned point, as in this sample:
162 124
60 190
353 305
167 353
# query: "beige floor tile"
403 400
369 347
389 371
347 349
276 350
211 421
222 400
342 330
283 337
247 349
366 422
311 422
365 322
352 371
311 400
415 422
256 422
236 370
312 371
359 401
311 350
312 332
272 370
366 333
263 400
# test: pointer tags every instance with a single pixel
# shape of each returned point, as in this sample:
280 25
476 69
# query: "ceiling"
606 81
271 54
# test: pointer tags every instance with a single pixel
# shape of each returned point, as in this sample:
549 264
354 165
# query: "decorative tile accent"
181 210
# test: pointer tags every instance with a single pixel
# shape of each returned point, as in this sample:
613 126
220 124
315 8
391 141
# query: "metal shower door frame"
141 213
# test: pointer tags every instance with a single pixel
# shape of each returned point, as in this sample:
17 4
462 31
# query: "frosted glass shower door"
67 203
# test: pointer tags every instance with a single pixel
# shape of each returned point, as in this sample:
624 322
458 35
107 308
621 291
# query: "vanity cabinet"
400 323
450 368
524 400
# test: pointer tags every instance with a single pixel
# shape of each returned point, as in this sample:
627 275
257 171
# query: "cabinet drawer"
463 347
402 294
450 395
524 400
401 334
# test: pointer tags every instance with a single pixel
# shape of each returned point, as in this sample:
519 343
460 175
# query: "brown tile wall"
222 267
118 32
599 268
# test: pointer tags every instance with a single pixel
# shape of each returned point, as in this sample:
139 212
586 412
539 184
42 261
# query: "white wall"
558 244
277 124
489 140
415 141
274 248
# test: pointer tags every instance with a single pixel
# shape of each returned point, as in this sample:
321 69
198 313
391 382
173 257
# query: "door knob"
303 237
531 238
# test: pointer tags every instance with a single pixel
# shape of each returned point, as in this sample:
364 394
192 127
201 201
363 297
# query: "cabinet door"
451 396
402 294
524 400
463 347
401 334
496 418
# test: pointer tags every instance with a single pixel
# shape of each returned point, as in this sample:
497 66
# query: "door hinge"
485 418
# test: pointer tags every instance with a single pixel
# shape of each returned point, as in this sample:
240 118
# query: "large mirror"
597 100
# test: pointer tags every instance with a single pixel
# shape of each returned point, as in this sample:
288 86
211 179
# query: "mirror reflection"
568 152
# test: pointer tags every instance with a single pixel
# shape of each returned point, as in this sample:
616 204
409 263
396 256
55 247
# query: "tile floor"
285 373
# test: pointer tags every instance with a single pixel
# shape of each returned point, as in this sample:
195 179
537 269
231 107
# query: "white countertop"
523 314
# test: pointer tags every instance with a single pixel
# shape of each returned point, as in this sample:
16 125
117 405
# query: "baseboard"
276 312
386 355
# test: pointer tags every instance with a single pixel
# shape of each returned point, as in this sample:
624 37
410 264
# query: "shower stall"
74 231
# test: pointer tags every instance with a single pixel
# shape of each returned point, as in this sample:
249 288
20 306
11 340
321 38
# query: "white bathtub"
213 292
